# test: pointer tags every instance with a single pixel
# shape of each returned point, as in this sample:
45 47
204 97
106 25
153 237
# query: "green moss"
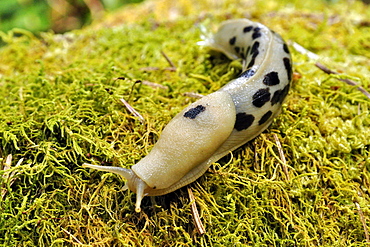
60 107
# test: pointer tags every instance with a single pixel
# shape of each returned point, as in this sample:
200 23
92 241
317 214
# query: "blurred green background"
57 15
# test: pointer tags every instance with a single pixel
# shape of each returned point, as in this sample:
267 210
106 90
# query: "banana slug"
222 121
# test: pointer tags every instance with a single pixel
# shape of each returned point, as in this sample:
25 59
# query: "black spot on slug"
276 97
251 63
255 48
247 74
232 41
284 93
247 29
271 79
288 67
254 53
285 47
280 95
243 121
242 55
193 112
247 51
261 97
237 49
265 117
256 33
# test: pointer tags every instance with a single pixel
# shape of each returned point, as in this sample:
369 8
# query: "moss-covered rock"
60 106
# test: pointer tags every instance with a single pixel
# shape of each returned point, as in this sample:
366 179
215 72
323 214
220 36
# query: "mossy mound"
60 107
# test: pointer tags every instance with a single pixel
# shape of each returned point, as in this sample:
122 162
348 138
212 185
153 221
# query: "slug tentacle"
141 186
125 173
134 183
222 121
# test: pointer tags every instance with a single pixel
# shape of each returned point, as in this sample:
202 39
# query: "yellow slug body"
187 141
222 121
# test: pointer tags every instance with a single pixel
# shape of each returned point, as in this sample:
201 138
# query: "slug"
222 121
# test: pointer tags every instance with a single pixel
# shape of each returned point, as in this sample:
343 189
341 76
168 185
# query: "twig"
71 235
314 56
133 111
195 213
349 82
194 95
157 68
168 60
256 163
363 221
282 156
7 165
9 176
304 51
154 85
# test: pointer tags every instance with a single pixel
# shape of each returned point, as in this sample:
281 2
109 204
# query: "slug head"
134 183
